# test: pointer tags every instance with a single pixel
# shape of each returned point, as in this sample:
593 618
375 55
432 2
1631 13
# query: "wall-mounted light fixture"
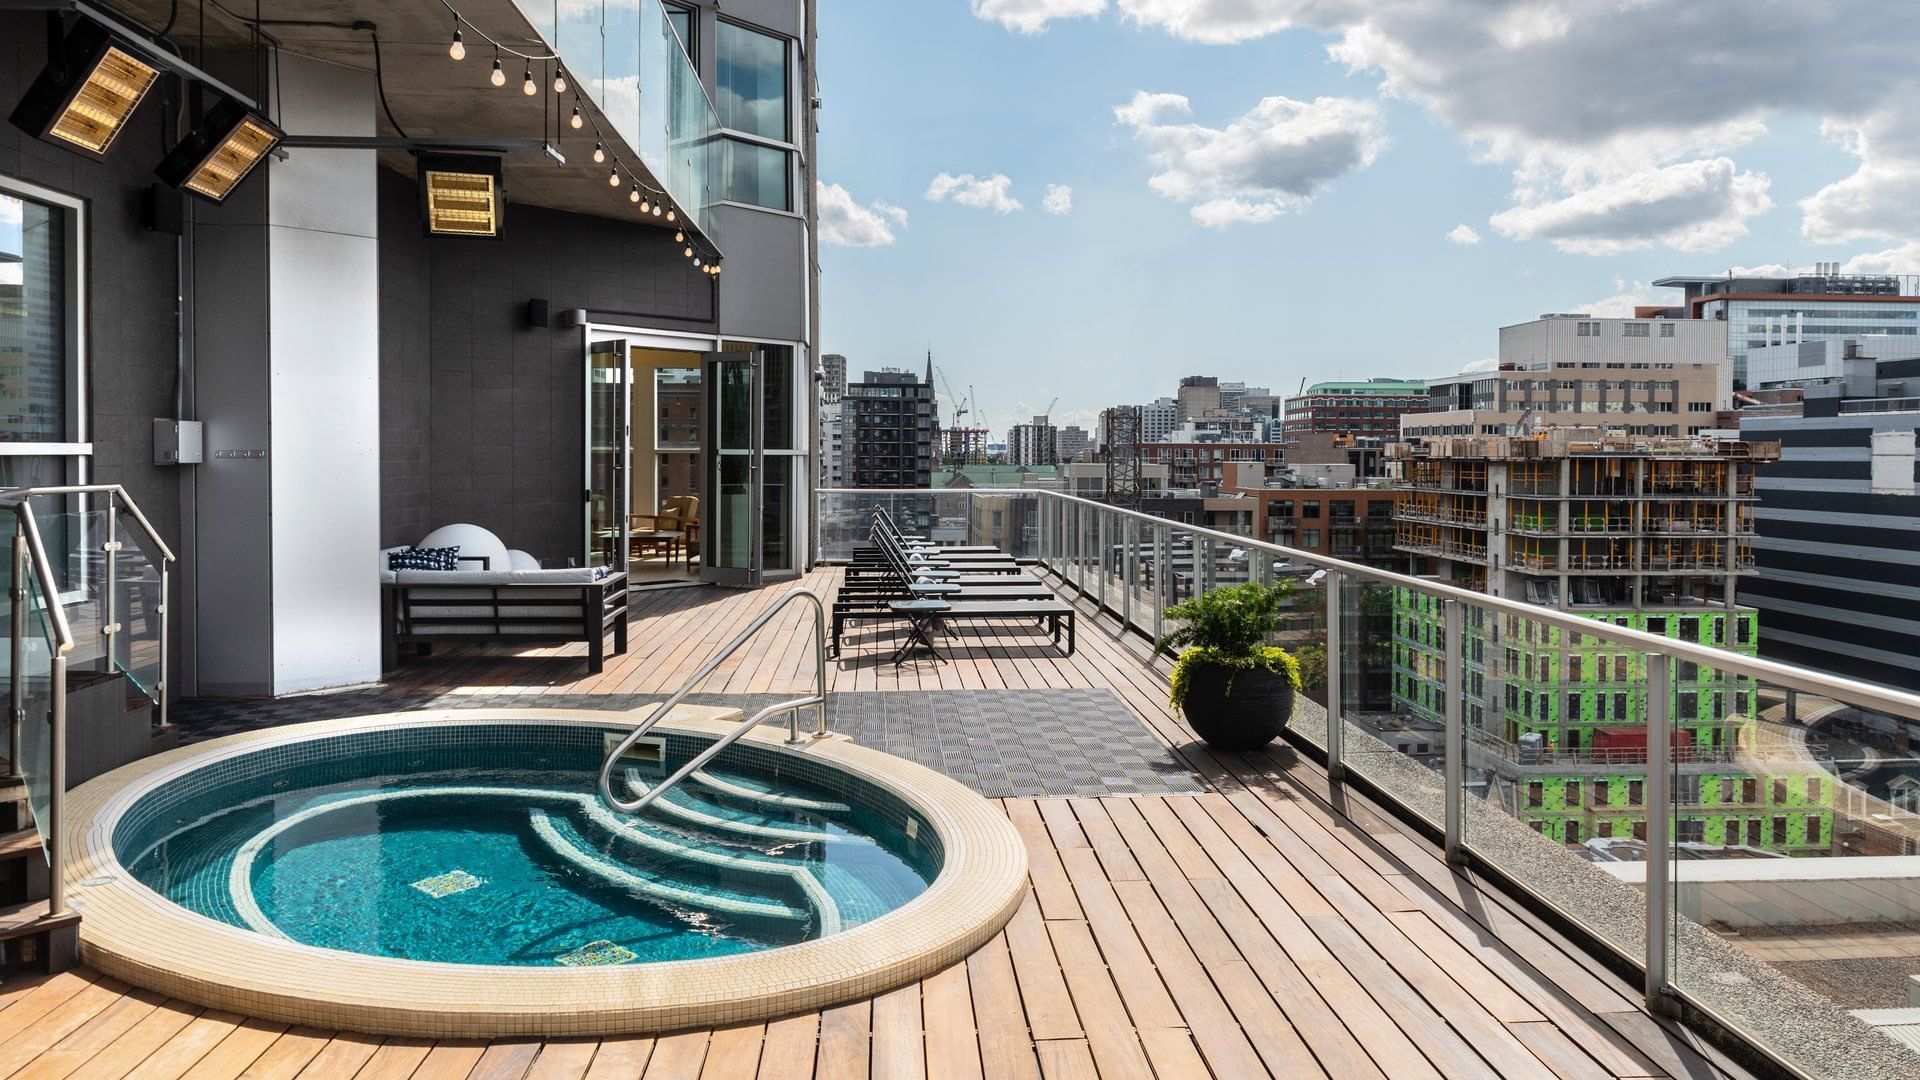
92 83
229 142
461 195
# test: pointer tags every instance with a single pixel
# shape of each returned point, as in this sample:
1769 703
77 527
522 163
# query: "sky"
1085 200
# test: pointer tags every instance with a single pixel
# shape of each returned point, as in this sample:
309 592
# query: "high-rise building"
1762 311
1070 443
833 445
891 419
1648 533
1158 418
1369 408
1839 513
1199 397
1032 443
833 378
962 446
1657 377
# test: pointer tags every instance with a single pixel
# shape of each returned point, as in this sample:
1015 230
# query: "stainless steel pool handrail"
791 708
817 699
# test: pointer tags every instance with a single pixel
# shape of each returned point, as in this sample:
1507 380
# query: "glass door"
730 517
609 438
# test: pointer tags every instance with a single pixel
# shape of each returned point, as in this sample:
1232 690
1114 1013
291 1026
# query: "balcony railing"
1680 917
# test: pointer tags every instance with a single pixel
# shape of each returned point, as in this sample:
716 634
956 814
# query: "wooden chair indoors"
676 528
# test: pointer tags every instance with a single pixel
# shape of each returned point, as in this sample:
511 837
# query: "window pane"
681 19
33 321
756 175
752 82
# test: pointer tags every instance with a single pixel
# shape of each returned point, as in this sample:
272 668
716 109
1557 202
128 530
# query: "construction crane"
1049 412
960 408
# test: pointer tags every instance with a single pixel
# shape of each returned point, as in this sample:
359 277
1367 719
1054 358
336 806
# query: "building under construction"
961 446
1649 532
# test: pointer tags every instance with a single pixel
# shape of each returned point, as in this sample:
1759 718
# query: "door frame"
802 459
712 388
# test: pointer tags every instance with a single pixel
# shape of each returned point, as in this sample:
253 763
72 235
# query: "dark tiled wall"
132 279
483 415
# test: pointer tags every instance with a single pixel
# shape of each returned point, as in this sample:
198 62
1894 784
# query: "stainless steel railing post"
1336 655
17 707
1101 533
57 794
1129 567
109 626
1160 578
1455 793
1660 806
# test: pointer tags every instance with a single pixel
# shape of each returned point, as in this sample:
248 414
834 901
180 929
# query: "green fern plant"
1228 627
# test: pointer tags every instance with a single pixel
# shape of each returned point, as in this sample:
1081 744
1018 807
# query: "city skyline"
1079 231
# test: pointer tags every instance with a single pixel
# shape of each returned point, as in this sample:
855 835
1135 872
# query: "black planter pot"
1237 708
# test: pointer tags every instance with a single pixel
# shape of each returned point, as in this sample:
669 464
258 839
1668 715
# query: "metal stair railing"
817 699
31 569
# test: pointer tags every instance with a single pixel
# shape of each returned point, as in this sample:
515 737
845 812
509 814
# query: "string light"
457 50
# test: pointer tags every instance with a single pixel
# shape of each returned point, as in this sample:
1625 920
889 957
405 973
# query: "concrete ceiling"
431 95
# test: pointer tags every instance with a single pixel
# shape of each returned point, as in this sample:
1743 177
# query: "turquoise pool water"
485 844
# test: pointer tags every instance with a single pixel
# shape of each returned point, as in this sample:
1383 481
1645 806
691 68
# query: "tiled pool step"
688 809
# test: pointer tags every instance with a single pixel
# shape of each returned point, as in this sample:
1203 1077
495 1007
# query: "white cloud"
1904 259
1627 295
1463 234
983 193
847 223
1059 199
1881 200
1692 206
1476 366
1032 16
1587 100
1272 160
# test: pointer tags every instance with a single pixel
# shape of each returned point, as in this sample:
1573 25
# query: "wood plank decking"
1267 927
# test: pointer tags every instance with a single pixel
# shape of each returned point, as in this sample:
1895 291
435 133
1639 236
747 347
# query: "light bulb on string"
679 237
613 177
634 195
645 206
499 77
696 261
599 154
457 50
689 252
527 86
656 209
670 214
576 121
559 81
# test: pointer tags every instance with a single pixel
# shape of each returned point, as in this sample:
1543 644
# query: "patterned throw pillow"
425 559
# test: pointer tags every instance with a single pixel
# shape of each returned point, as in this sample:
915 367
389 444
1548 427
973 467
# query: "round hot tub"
455 873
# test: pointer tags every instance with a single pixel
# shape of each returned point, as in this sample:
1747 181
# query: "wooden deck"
1267 927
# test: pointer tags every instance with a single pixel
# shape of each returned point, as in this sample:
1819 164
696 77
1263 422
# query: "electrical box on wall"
177 442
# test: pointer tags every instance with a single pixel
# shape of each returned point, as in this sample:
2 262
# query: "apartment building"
1033 443
891 417
1660 377
1651 533
1071 443
1369 408
833 378
1158 418
1324 510
1762 311
1839 512
1201 464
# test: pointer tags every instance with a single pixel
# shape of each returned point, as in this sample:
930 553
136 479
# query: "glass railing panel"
1391 660
627 58
1795 869
75 542
137 599
29 637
